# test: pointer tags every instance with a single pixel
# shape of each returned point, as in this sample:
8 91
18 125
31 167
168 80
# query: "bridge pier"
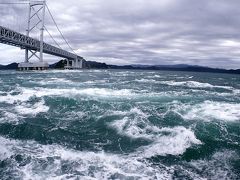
75 64
32 66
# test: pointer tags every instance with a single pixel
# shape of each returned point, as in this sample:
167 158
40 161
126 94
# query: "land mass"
98 65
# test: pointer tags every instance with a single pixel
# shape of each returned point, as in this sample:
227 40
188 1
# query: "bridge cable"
59 29
47 30
52 38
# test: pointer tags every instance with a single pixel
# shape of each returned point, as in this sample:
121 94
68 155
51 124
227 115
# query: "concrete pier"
74 64
33 66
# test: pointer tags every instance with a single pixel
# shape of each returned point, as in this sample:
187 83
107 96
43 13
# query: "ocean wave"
55 71
157 76
194 84
9 117
210 110
164 141
218 166
53 81
236 91
146 80
18 95
29 109
63 81
95 82
56 162
24 94
178 140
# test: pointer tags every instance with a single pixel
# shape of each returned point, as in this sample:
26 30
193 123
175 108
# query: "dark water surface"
105 124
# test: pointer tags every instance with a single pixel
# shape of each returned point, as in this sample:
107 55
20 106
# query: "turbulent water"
108 124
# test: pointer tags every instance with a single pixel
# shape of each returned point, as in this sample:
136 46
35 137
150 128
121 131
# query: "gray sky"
199 32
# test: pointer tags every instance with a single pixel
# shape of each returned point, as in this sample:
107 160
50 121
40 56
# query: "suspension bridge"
35 48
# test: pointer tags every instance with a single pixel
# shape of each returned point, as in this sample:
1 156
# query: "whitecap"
194 84
210 110
176 142
146 80
22 94
53 81
236 91
95 82
83 164
26 93
163 141
9 117
29 109
218 166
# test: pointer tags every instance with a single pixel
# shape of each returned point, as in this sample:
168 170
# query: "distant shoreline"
98 65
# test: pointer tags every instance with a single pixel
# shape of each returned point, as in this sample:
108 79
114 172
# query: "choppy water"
105 124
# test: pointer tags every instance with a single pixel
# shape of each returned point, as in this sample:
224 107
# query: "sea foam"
48 162
26 109
164 141
210 110
195 84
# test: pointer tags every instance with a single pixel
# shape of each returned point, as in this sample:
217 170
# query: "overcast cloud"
199 32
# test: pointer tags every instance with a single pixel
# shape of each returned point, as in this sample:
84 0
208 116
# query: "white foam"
218 166
103 92
60 71
26 109
22 96
54 81
86 165
95 82
176 142
5 148
146 80
194 84
236 91
164 141
157 76
10 117
130 126
209 110
123 74
27 93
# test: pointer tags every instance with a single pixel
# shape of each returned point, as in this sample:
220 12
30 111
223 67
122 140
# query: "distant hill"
178 67
161 66
98 65
11 66
58 65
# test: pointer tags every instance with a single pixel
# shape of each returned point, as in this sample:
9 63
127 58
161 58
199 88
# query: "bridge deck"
13 38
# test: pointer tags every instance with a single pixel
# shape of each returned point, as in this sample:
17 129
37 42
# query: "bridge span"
32 46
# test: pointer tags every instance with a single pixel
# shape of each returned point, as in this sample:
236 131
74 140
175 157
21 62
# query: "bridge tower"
36 17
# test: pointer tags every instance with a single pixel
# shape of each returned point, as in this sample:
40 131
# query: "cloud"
144 32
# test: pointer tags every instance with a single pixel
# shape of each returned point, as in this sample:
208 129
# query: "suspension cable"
52 38
59 29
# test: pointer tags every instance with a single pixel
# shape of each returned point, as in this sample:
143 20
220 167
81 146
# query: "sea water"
119 124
